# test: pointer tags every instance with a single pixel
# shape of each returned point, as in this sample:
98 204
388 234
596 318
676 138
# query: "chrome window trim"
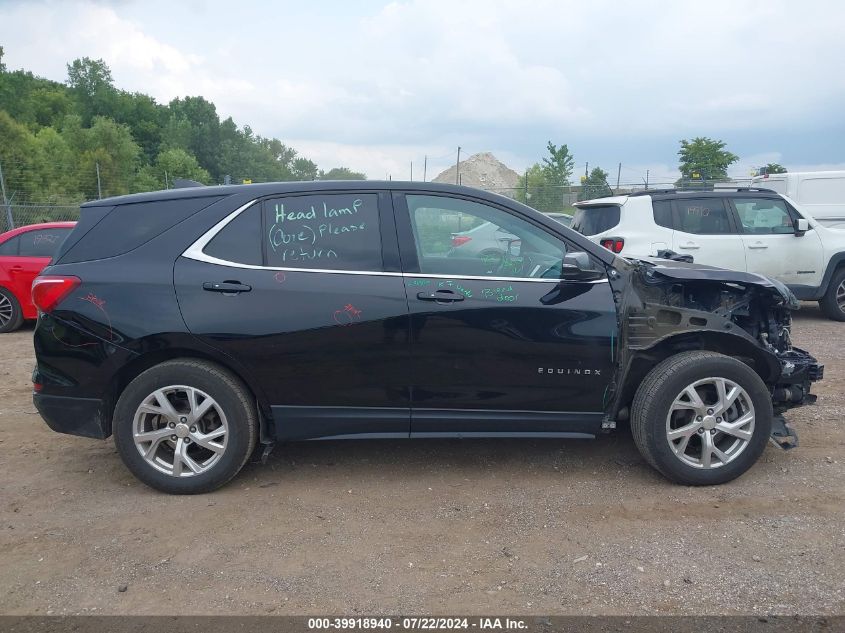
195 252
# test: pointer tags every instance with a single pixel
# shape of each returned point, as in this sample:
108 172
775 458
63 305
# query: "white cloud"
376 88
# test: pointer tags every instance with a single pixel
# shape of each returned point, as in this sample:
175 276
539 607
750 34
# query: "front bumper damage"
671 306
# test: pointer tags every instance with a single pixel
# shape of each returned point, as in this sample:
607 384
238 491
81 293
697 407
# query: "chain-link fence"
31 196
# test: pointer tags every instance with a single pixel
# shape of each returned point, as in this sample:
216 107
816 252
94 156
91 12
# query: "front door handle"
226 287
689 245
444 296
758 245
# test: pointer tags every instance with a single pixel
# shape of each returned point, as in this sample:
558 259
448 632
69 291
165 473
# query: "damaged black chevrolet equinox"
200 326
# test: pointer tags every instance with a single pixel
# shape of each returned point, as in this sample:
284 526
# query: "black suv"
202 325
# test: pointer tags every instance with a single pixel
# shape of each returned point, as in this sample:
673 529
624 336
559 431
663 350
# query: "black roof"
712 191
259 190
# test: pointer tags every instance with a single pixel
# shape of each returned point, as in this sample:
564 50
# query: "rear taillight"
49 290
460 240
613 244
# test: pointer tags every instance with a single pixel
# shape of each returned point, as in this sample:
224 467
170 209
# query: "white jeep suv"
748 229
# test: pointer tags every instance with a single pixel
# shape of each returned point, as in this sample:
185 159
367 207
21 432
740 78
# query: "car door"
499 342
305 292
705 229
772 247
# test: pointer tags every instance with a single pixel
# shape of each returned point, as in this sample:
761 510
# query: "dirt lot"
546 527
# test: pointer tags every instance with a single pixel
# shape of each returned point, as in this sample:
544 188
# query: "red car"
23 253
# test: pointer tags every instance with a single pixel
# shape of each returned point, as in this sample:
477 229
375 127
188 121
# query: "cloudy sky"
374 85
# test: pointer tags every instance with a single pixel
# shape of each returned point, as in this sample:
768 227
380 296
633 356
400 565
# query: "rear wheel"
11 315
701 418
833 302
185 426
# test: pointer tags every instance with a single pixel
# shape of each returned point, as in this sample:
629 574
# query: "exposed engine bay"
669 306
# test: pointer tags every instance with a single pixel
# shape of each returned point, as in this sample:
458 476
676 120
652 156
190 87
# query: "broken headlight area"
670 306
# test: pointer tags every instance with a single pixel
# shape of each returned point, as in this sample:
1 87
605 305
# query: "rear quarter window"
128 226
595 219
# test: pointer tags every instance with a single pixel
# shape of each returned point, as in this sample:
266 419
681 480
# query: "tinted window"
662 213
595 219
704 216
464 238
763 215
128 226
42 243
10 246
240 240
331 231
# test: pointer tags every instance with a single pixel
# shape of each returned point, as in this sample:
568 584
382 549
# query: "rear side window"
702 216
128 226
43 243
329 231
240 240
595 219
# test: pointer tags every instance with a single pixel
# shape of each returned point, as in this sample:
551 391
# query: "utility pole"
412 171
425 167
166 185
586 170
99 189
6 201
458 167
618 176
526 185
646 178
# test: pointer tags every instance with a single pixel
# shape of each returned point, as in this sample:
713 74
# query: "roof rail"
650 192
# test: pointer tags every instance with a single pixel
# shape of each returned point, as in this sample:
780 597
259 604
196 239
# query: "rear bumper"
74 416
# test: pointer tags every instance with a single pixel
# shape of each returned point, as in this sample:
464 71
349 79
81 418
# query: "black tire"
233 398
15 318
653 402
829 305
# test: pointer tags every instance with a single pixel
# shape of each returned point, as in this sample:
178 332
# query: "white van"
821 193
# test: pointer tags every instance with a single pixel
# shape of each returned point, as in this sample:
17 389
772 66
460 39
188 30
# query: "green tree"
772 168
195 127
341 173
705 159
91 83
558 166
595 185
304 169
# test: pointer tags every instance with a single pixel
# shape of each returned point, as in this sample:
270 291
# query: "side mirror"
577 266
801 226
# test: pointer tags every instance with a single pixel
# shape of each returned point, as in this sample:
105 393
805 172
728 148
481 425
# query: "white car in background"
746 229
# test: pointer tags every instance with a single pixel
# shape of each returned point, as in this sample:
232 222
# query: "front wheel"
833 302
185 426
701 418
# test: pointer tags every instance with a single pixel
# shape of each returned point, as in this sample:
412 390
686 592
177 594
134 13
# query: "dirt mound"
483 171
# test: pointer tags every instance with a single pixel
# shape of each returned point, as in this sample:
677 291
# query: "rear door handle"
758 245
446 296
227 287
690 245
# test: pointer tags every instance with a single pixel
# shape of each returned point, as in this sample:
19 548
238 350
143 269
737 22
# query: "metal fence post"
99 190
6 202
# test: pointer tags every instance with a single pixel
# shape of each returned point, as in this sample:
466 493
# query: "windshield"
595 219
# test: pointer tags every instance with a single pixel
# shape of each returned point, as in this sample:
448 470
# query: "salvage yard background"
573 527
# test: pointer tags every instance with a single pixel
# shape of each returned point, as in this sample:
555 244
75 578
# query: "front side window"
323 231
702 216
465 238
763 215
42 243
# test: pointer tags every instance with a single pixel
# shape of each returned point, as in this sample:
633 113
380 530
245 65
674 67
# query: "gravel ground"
530 527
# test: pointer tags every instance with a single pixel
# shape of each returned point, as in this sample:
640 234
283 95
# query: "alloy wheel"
180 431
710 423
840 296
6 310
